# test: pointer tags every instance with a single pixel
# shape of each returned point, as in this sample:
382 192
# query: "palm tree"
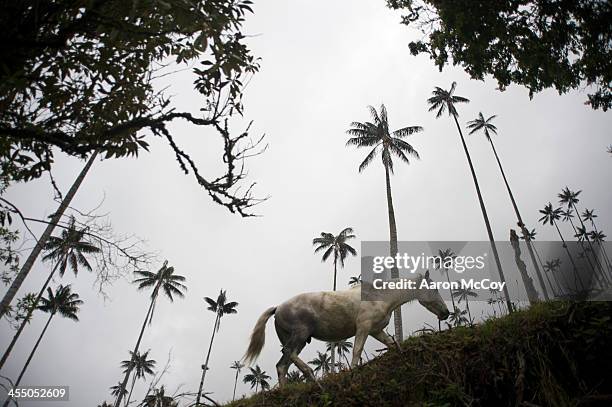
69 250
220 308
164 280
141 367
62 301
335 245
570 198
322 363
443 100
551 216
355 280
463 294
378 137
488 128
257 378
443 256
116 389
567 216
551 266
40 243
295 376
238 367
457 317
105 404
159 399
597 235
343 348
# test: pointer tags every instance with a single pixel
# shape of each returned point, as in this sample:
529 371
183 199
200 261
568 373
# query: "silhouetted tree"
378 137
164 280
445 100
220 307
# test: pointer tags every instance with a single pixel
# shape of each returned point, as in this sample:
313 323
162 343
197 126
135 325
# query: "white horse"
334 316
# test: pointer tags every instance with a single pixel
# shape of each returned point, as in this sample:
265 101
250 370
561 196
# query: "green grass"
553 354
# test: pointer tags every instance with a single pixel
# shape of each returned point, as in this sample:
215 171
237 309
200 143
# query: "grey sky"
322 63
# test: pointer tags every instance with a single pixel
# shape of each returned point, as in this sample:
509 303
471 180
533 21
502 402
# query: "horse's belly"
334 333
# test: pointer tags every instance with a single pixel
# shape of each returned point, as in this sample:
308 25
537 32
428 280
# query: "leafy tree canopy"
78 76
561 44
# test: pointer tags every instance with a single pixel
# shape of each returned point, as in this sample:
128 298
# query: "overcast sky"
322 63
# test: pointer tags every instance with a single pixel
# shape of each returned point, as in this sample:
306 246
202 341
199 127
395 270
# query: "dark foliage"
540 44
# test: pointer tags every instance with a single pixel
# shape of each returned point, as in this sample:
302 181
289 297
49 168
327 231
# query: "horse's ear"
427 275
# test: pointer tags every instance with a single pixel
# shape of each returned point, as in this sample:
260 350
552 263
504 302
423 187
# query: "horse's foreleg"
386 339
360 339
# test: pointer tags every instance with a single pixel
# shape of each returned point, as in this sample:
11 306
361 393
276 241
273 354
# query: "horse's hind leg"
282 367
293 348
285 361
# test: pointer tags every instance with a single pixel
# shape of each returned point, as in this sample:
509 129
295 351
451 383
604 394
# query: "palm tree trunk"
34 350
586 256
397 313
520 223
127 402
603 249
28 316
467 306
235 384
486 218
207 357
570 256
586 237
27 266
129 369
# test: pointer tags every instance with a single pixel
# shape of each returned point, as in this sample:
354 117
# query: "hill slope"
554 354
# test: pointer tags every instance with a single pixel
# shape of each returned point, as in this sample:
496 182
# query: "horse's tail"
258 337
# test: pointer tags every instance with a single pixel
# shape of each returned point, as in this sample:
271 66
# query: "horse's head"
432 300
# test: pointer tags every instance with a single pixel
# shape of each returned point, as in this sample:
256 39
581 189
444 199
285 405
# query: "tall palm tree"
566 216
116 389
67 250
552 266
551 216
335 245
570 198
257 378
42 240
220 307
443 256
63 302
597 236
237 365
488 128
378 137
322 363
141 367
159 399
164 280
343 348
463 294
445 100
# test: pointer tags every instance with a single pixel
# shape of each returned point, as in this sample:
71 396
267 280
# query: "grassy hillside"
555 354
